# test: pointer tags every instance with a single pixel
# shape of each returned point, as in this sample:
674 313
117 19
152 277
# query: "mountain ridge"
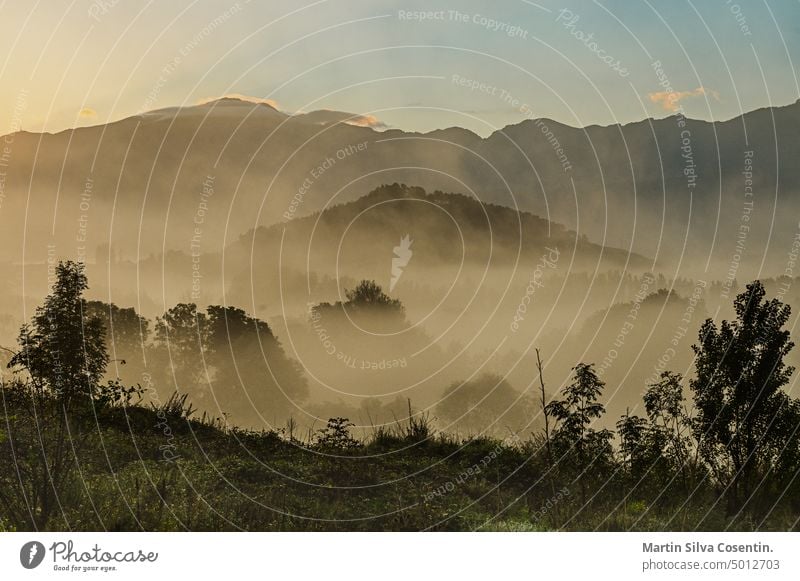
623 185
222 101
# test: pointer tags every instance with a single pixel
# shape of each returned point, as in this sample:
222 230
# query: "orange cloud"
669 100
329 117
87 113
246 98
366 121
320 117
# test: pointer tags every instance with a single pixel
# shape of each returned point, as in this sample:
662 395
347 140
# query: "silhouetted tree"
634 451
179 338
369 294
368 307
252 376
577 446
740 371
62 349
485 405
367 297
654 450
670 421
64 353
228 361
126 333
336 436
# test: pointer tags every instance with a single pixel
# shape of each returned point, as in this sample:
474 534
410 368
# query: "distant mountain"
661 187
452 237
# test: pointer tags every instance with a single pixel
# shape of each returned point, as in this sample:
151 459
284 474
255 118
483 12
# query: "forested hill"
447 230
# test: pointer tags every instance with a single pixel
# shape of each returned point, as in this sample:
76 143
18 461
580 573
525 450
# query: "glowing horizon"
87 63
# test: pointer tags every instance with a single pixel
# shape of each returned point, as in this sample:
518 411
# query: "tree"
228 361
179 338
253 378
577 445
126 334
61 349
656 448
485 405
634 451
579 408
368 307
369 294
737 392
126 331
336 436
366 298
669 420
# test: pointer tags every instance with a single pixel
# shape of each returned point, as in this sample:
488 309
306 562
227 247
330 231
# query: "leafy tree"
579 408
336 436
252 376
577 446
369 294
62 349
633 446
228 361
737 392
366 298
669 420
126 331
368 307
179 338
657 448
487 404
126 334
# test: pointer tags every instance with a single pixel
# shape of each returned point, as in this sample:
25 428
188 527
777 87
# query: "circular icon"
31 554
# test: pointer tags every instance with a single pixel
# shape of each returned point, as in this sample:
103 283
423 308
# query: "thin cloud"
329 117
246 98
320 117
87 113
366 121
670 100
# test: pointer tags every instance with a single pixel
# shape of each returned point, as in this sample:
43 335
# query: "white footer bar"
399 556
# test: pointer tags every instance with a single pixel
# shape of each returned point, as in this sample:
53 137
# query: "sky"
413 65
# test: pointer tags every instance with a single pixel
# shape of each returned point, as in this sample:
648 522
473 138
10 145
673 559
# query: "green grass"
142 468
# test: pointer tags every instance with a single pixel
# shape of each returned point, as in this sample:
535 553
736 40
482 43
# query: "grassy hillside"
157 469
80 452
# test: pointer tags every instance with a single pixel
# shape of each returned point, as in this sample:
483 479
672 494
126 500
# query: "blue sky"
76 62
